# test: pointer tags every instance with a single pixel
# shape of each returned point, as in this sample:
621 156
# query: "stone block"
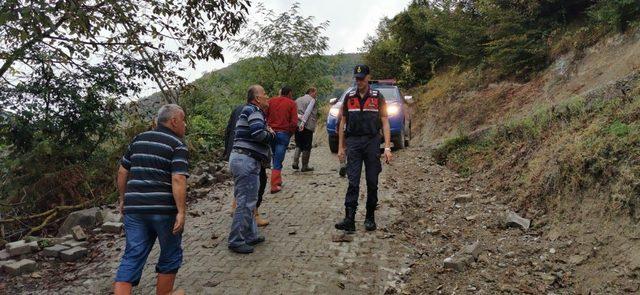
78 233
112 227
72 243
4 254
73 254
18 248
461 199
54 251
87 218
21 267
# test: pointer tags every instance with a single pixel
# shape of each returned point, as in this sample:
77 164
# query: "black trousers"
263 185
363 149
304 139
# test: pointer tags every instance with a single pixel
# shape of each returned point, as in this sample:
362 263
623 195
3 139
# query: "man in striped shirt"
152 187
250 147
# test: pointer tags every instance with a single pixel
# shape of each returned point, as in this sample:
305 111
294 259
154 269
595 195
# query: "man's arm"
386 131
258 128
293 114
123 174
341 143
179 189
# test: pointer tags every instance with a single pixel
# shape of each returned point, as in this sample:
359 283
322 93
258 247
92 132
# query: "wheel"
333 144
399 141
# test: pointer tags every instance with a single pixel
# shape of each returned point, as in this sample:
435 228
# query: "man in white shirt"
307 120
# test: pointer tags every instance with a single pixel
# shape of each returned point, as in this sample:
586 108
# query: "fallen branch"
43 224
43 214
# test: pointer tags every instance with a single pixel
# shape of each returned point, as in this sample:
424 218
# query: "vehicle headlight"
393 110
334 112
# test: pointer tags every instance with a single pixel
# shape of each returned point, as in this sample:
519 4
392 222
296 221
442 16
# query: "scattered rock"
112 227
433 231
78 233
73 254
462 199
577 259
514 220
72 243
109 216
474 250
54 251
342 238
18 248
457 263
552 251
21 267
87 218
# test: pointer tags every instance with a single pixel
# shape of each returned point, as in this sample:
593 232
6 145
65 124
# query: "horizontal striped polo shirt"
151 159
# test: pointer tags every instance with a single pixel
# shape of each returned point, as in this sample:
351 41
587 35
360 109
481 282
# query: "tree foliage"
290 47
65 68
510 37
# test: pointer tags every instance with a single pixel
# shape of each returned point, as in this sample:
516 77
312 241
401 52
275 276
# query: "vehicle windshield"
389 93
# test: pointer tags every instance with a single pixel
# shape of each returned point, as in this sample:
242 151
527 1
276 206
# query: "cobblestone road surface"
298 256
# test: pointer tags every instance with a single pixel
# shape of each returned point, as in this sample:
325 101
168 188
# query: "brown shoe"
164 286
259 220
122 288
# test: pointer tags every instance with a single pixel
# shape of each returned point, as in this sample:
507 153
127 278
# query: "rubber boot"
259 220
370 220
122 288
164 285
296 160
276 179
306 155
348 224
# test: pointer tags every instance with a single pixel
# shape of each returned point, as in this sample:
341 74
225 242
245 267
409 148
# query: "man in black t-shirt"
364 115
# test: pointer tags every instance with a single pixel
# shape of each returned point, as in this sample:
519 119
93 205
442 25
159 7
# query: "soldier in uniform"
364 116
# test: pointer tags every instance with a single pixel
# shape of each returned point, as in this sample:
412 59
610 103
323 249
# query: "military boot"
370 220
348 224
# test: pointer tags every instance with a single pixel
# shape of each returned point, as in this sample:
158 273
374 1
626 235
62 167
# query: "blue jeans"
279 148
142 231
246 179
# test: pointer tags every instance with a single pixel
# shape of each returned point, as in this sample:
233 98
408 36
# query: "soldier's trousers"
363 149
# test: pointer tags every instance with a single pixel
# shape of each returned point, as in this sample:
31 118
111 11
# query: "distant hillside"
230 83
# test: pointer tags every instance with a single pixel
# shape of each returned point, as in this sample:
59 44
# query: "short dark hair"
251 93
286 90
311 90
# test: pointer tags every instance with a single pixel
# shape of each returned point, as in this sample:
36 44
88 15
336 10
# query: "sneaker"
242 249
257 241
295 166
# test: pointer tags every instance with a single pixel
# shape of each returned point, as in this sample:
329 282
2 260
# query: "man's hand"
388 157
341 154
301 128
271 130
178 226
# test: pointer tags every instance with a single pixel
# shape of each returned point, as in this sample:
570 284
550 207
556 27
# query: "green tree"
290 47
65 66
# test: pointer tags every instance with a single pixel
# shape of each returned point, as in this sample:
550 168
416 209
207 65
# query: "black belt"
242 152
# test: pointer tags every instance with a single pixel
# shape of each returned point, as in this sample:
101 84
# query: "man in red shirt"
282 117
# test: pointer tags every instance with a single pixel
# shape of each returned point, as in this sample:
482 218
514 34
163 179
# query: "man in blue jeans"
152 185
250 147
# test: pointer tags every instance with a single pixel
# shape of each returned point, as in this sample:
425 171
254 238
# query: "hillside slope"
562 150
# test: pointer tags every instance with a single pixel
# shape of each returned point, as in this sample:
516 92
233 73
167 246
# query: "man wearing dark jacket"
229 134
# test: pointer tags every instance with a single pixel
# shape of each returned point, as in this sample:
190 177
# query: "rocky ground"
439 234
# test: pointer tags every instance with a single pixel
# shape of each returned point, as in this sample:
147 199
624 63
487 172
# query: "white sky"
350 21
